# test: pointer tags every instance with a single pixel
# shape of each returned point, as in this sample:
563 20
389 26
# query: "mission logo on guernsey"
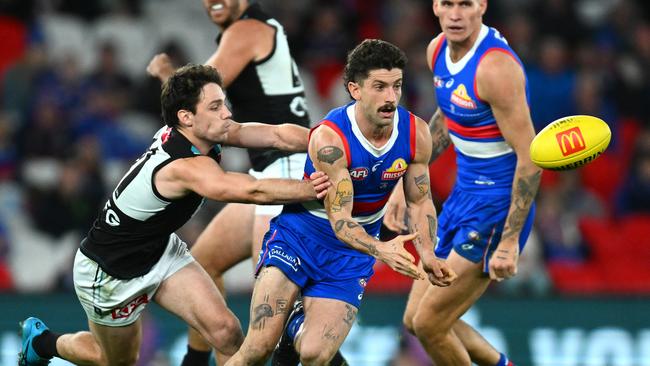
460 98
396 170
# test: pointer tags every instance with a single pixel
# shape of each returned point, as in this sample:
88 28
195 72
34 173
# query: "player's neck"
375 134
459 49
202 145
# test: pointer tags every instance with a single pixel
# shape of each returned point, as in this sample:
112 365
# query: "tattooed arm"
327 152
439 135
501 82
422 213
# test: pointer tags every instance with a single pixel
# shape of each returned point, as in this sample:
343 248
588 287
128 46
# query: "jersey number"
133 172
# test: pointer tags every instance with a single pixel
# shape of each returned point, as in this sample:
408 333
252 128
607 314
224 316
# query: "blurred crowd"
77 107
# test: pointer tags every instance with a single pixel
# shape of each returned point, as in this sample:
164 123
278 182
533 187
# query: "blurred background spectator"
77 108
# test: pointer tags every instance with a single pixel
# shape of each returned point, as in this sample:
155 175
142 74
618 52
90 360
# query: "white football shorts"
292 166
115 303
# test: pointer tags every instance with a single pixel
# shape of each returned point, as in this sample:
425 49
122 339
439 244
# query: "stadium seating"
618 262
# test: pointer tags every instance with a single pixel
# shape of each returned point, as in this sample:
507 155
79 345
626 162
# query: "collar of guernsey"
472 126
374 170
166 132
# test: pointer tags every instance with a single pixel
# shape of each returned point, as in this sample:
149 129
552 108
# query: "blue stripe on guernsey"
486 163
374 172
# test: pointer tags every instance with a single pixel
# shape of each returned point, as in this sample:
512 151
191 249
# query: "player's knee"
226 335
425 327
407 320
314 356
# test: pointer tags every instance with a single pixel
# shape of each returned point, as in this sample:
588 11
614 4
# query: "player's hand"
503 263
399 259
160 66
438 271
321 182
395 216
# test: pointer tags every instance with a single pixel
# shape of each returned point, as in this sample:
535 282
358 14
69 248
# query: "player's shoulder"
498 63
496 55
247 29
422 139
435 41
434 45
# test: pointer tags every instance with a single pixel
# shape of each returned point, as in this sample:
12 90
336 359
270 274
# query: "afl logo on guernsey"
460 98
359 173
437 81
396 170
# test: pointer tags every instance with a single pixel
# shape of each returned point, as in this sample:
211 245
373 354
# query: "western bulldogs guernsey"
132 231
374 172
269 90
486 163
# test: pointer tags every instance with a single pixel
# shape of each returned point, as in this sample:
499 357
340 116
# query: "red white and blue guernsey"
301 241
473 216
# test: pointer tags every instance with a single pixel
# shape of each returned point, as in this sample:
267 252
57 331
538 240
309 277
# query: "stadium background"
77 108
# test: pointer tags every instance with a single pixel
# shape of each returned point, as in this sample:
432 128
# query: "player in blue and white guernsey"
131 255
326 251
482 96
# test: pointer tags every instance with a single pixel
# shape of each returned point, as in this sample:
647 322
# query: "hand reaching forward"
399 259
320 181
438 271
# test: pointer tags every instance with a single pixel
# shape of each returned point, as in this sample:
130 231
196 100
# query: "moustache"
387 108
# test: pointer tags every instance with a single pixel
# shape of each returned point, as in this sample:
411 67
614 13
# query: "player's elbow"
289 137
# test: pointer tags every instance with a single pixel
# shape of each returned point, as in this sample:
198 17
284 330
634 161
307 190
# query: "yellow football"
570 142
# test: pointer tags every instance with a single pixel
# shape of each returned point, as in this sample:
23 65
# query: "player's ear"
185 117
483 5
355 90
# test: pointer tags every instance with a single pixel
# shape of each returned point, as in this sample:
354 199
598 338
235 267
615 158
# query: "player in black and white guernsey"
263 84
131 255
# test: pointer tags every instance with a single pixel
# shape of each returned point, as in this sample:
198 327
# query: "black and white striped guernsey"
132 230
269 90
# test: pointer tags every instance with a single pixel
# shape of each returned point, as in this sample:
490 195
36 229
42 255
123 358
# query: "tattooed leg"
327 323
272 298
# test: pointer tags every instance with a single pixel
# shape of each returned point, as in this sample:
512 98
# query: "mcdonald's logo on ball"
571 141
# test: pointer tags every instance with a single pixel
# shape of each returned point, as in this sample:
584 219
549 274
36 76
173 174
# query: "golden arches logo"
571 141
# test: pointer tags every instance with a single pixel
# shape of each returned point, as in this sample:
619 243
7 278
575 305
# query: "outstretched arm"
287 136
327 152
501 82
421 211
205 177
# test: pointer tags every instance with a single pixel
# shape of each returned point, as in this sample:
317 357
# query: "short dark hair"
183 90
372 54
